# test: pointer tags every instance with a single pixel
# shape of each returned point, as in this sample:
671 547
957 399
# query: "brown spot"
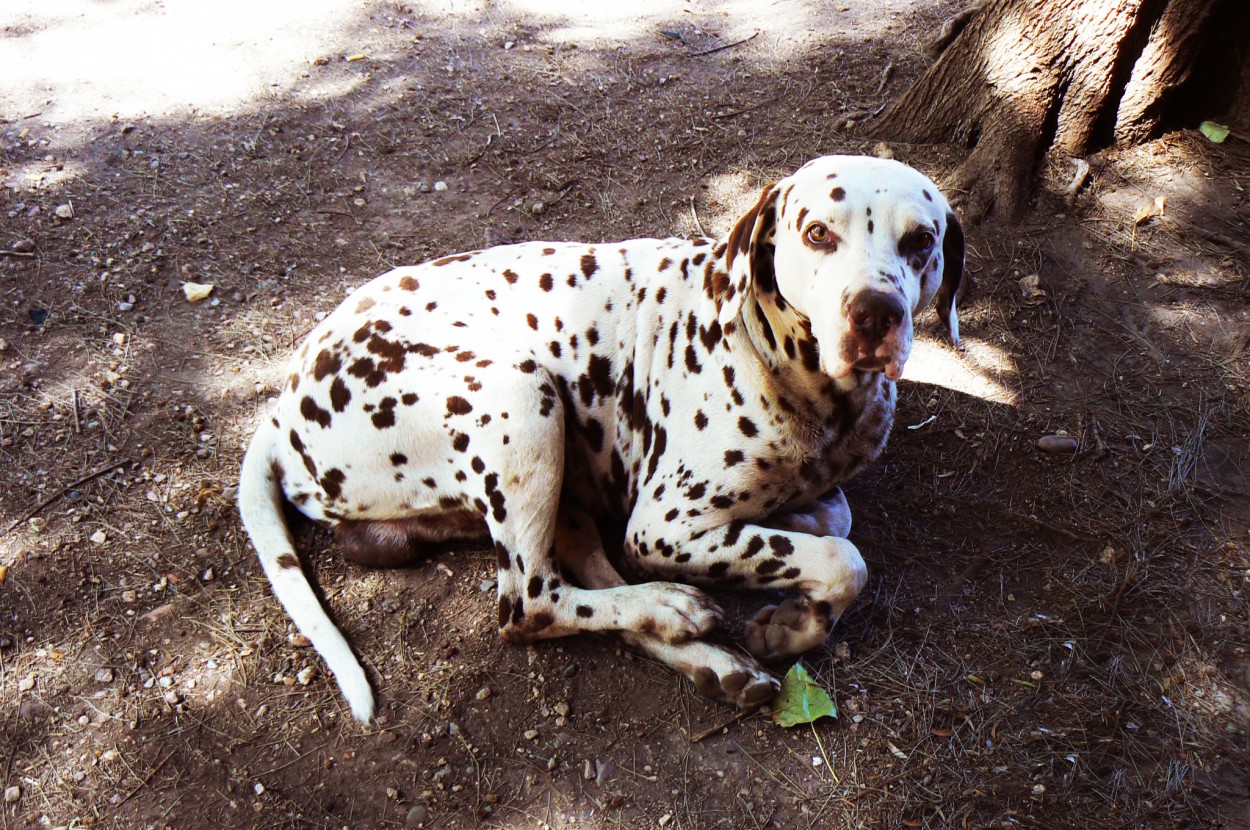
288 560
457 405
409 283
460 442
448 260
312 412
545 282
589 265
837 194
510 276
585 611
364 305
532 321
332 482
327 363
339 395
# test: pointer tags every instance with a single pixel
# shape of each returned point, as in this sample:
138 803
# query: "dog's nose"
874 313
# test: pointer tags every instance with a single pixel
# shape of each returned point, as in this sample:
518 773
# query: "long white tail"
260 503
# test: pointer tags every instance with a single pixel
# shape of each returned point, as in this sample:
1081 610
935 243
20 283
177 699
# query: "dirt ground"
1047 640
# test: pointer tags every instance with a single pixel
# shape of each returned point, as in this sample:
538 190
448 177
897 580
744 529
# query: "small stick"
35 510
707 733
145 781
722 48
74 403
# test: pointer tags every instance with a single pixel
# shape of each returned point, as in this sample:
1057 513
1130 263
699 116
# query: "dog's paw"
677 613
778 631
744 685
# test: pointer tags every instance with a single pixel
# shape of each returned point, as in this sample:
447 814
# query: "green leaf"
801 700
1215 132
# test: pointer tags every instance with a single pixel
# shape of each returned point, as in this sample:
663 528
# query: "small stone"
665 819
26 683
570 670
24 246
422 187
306 675
298 640
208 576
486 585
1058 444
483 693
99 537
109 756
65 211
173 697
119 338
258 788
104 675
196 291
562 709
588 770
440 186
130 596
417 816
12 795
125 306
538 209
531 734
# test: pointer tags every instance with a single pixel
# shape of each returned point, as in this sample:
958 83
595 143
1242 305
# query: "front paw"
778 631
746 686
677 613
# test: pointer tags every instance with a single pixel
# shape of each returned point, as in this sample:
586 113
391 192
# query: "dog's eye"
917 243
818 234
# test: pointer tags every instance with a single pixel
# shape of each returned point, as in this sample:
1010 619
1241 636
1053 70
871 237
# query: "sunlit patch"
981 369
39 175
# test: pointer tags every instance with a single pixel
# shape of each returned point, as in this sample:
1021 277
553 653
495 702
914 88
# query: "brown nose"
874 313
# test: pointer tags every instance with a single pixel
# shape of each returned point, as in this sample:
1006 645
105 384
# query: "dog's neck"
782 341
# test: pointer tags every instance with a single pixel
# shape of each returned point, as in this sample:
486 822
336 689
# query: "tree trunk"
1029 76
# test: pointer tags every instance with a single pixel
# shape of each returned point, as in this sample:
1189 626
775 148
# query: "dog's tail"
260 503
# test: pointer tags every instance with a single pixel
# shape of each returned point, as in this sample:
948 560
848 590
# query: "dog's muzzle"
878 336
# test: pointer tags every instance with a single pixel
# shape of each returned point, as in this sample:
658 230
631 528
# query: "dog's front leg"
827 571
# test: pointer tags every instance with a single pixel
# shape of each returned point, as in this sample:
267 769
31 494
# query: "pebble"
417 816
440 186
483 693
26 683
173 697
104 675
124 306
570 670
64 212
130 596
486 585
23 246
588 770
665 819
1058 444
531 734
12 795
208 575
538 209
119 338
99 537
306 675
562 709
299 640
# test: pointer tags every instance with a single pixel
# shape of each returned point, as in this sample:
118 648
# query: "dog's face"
858 246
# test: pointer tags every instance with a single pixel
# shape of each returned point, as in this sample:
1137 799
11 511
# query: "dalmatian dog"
709 394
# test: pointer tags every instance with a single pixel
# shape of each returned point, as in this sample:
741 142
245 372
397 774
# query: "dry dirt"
1046 641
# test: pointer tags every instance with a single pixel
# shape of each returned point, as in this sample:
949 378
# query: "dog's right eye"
819 236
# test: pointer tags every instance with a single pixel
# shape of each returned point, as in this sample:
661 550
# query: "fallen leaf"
1156 208
196 291
801 700
1215 133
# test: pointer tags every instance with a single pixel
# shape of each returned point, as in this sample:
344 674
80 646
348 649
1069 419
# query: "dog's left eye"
917 243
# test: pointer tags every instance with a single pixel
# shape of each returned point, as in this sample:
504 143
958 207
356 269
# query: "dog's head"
856 245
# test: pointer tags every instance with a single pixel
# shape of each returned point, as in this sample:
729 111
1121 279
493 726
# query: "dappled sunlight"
81 60
980 369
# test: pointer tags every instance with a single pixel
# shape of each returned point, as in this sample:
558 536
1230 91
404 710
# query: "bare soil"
1047 640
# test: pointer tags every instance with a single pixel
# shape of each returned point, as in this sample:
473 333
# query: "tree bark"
1026 77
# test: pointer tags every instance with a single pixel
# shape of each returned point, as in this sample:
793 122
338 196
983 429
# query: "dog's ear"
747 259
952 275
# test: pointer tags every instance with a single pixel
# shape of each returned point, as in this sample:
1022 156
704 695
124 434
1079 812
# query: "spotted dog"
710 394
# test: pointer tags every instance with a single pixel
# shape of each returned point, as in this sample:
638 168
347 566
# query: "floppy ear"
746 259
952 274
